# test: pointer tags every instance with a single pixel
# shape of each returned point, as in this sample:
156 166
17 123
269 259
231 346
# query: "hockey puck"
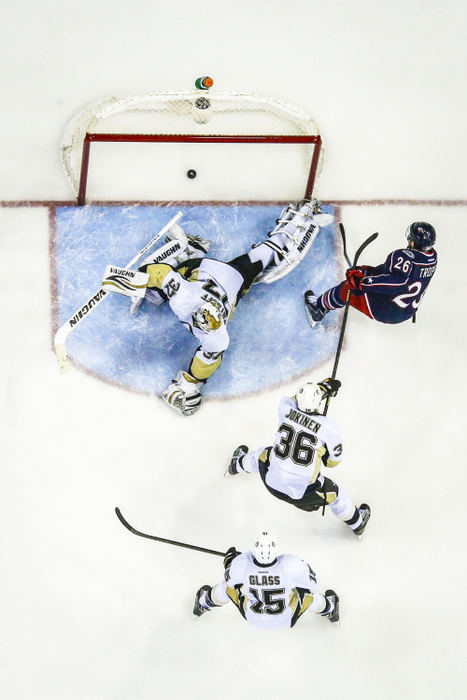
191 174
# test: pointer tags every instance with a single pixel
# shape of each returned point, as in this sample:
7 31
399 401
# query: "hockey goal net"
237 147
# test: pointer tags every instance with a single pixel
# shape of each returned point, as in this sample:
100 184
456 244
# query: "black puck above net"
191 174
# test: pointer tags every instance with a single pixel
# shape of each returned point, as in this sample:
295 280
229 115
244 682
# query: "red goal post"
197 117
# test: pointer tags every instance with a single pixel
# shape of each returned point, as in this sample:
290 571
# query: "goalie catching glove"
183 394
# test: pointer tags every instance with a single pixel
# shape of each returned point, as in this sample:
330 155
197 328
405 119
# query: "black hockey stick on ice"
369 240
365 243
344 244
162 539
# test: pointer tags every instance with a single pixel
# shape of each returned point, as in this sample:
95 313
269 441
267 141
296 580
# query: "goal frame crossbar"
198 138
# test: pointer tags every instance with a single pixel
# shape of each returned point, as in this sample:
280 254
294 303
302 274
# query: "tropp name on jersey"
427 271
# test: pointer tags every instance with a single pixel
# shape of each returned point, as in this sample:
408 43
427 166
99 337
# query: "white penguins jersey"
272 596
216 280
303 442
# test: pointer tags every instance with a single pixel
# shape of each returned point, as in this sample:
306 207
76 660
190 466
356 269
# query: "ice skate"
314 313
365 512
200 608
233 467
332 596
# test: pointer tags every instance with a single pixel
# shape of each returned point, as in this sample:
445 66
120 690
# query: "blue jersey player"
391 292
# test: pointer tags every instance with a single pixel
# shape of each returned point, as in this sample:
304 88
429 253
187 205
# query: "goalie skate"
292 238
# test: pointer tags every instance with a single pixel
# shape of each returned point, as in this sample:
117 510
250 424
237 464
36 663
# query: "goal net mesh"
120 168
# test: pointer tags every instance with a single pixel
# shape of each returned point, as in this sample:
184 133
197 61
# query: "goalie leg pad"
183 394
292 238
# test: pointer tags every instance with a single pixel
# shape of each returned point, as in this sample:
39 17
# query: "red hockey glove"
354 277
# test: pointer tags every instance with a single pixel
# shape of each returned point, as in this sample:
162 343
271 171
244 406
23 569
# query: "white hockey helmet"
265 548
309 397
208 317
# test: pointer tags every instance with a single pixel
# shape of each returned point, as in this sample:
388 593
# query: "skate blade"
242 471
311 320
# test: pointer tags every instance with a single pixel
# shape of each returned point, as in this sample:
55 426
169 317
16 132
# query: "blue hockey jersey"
395 289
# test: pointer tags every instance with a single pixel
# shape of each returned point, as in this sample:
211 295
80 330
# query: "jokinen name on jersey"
305 421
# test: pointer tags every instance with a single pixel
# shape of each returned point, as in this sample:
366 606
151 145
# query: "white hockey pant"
219 593
250 462
342 507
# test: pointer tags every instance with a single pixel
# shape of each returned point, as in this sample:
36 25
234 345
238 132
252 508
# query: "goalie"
203 292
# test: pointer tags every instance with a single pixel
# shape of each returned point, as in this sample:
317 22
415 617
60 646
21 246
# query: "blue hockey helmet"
422 235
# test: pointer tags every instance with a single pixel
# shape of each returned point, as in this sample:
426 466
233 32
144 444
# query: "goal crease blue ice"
270 339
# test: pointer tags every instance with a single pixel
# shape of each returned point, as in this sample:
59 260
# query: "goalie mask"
265 548
208 317
309 397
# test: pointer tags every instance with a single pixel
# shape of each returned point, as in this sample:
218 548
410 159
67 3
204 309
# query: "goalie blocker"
179 248
128 282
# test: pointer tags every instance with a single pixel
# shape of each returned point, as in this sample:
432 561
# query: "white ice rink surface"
90 612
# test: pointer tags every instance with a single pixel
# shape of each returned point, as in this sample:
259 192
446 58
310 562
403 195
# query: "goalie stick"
163 539
81 313
365 243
